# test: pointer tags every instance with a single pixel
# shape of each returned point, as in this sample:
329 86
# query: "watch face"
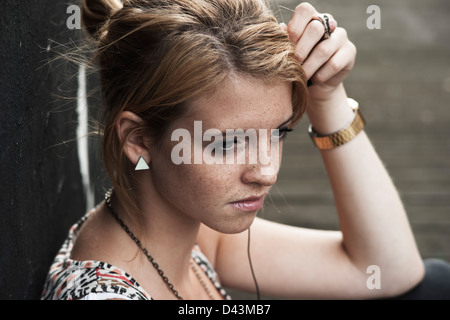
353 103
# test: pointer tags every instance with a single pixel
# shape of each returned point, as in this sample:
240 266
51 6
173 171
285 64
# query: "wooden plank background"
402 81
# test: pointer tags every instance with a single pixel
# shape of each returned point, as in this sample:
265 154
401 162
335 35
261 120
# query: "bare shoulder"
94 240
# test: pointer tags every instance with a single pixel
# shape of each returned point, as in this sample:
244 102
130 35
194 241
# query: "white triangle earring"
141 165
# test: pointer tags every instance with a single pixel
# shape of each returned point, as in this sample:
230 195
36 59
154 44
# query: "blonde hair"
156 55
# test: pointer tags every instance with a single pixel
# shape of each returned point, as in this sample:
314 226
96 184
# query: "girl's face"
224 196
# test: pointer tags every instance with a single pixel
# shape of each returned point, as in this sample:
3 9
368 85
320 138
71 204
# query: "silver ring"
326 24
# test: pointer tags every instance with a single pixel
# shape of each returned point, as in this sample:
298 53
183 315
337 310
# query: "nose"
265 170
265 175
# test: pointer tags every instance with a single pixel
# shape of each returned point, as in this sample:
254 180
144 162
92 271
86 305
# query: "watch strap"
326 142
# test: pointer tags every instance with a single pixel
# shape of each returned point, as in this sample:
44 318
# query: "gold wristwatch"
326 142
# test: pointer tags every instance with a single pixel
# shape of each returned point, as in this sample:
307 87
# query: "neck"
167 234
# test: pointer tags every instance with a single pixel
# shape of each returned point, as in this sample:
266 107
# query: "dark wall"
40 184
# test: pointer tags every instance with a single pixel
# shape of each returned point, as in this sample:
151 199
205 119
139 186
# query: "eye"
281 133
228 145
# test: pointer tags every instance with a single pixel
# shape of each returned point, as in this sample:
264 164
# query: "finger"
337 67
323 51
332 23
310 37
303 14
283 26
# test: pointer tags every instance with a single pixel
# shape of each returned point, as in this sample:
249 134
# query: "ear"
135 144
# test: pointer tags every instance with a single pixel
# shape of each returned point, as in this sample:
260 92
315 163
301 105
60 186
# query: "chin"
233 224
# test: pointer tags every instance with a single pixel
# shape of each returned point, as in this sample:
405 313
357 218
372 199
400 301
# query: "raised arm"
372 218
297 263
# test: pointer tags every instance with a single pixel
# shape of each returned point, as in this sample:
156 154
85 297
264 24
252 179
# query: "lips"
253 203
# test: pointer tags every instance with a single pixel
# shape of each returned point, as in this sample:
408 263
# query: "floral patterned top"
96 280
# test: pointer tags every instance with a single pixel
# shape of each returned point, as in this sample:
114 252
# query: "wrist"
331 114
342 136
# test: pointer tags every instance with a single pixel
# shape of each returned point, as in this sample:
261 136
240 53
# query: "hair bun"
95 13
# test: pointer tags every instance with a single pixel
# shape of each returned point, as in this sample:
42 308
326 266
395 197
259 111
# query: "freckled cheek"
207 184
194 186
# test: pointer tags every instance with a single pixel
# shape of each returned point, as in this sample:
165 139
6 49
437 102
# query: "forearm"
373 221
371 214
